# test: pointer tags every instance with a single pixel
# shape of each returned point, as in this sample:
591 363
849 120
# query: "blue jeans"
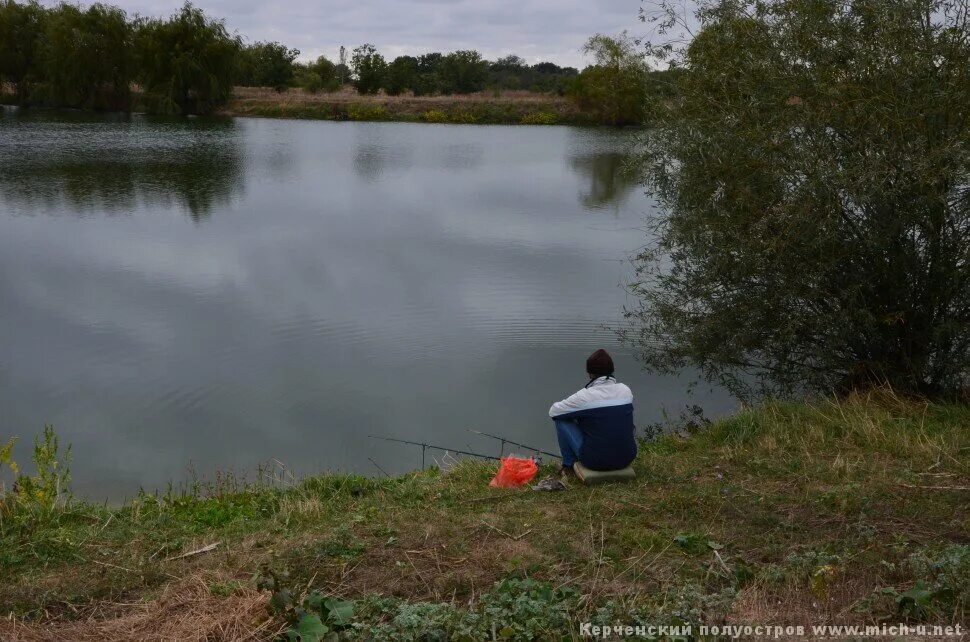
570 441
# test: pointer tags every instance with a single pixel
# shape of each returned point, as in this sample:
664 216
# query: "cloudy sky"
534 29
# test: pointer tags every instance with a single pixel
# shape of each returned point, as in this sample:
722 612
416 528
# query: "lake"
181 296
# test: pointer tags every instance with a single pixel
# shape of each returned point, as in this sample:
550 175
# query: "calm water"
211 295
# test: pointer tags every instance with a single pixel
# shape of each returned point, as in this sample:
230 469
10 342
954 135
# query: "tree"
320 74
462 72
508 72
814 183
87 57
428 82
548 76
342 68
614 87
21 28
268 64
187 62
369 67
402 75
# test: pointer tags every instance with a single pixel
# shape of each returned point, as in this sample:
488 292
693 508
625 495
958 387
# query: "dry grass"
186 611
350 95
510 107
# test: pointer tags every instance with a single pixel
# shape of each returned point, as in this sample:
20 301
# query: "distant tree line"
271 64
91 58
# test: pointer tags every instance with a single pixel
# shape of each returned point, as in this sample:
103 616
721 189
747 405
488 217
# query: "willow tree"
614 87
186 62
21 27
87 56
813 180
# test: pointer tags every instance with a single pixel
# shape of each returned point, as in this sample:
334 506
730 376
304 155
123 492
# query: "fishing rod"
514 443
425 447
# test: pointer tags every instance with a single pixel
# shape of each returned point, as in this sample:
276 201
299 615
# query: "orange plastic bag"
513 472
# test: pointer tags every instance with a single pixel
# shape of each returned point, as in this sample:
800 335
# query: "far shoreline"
486 108
483 108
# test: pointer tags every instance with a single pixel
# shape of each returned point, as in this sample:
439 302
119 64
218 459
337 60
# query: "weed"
434 116
35 497
540 118
227 588
514 608
695 544
309 619
366 112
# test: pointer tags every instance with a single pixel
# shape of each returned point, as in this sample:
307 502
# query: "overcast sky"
537 30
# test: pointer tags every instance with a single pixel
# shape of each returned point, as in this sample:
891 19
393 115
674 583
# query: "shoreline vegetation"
101 58
507 107
847 511
488 107
484 108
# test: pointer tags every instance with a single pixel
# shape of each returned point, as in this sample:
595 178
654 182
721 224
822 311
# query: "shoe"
566 471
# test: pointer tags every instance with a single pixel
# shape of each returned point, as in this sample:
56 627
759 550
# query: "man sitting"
595 425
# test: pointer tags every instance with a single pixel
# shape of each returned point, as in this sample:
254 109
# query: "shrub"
434 116
540 118
814 229
366 112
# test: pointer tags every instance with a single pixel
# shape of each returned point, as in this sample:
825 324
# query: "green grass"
846 512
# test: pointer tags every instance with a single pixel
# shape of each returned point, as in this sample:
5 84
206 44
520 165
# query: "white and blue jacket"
603 410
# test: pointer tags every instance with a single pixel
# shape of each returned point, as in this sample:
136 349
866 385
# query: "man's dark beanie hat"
600 363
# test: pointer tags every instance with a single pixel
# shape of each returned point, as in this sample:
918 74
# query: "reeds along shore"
490 107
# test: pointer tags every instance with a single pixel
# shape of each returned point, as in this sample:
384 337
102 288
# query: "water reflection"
83 166
609 176
361 281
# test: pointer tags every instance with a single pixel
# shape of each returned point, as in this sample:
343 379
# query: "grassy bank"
506 107
852 512
486 108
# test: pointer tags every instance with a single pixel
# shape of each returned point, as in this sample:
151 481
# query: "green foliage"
427 81
519 609
266 64
6 457
528 609
688 603
512 72
402 75
434 116
36 496
944 584
366 112
462 72
87 57
186 62
318 75
369 68
695 543
508 72
814 230
615 86
540 118
21 27
309 619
